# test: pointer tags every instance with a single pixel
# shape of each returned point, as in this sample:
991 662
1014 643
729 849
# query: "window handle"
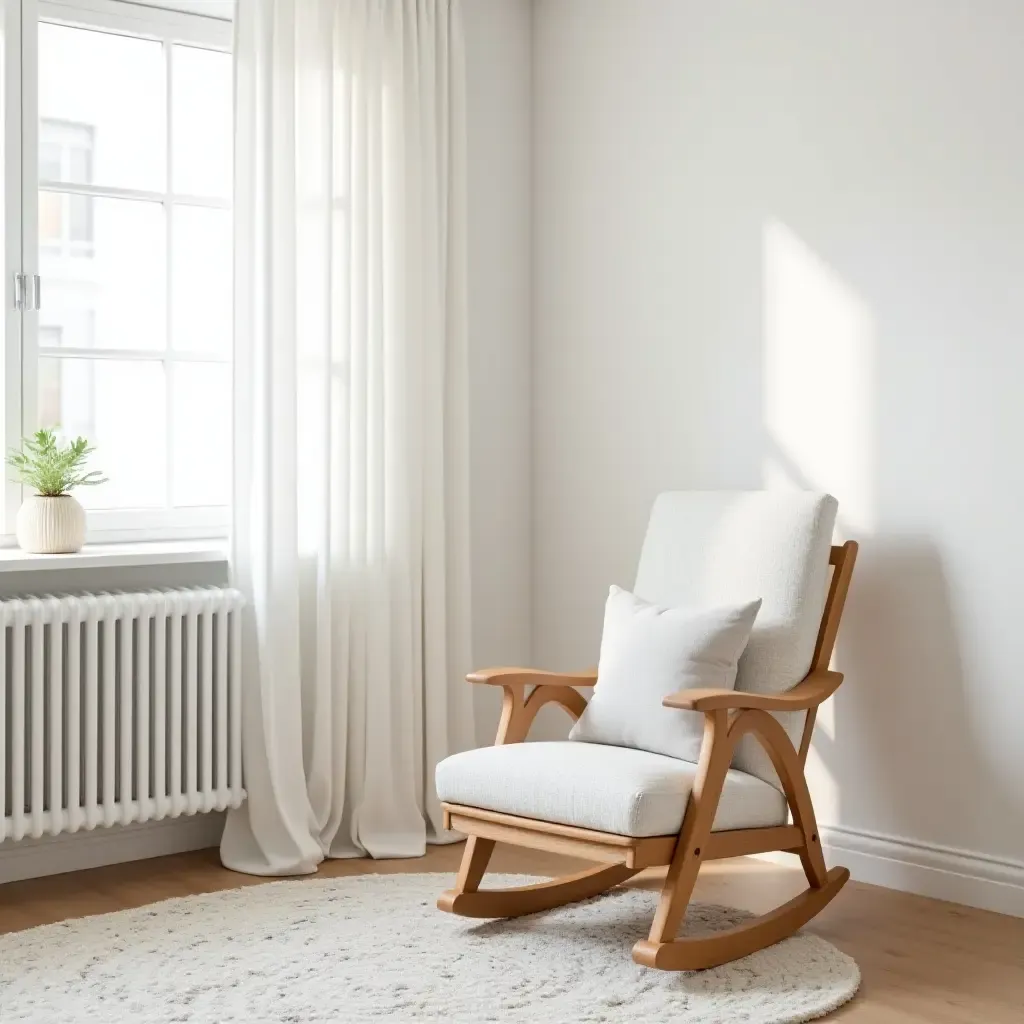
19 293
37 292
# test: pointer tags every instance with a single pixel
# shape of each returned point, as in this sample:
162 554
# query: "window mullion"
69 187
30 210
169 278
140 355
10 11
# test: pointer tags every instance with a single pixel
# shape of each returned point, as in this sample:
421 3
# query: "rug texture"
374 948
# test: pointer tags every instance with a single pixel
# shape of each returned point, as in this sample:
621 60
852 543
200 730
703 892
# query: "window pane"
119 405
201 280
103 268
201 396
201 120
80 227
102 106
51 158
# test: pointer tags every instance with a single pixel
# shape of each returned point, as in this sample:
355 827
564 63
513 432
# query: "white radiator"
118 708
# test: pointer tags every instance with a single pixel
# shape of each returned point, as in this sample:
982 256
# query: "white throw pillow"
648 652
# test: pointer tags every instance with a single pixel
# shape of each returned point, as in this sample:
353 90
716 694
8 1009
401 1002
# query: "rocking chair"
630 809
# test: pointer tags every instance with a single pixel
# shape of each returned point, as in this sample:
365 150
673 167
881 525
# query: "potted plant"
51 521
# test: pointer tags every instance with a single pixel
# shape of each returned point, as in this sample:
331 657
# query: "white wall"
786 241
498 72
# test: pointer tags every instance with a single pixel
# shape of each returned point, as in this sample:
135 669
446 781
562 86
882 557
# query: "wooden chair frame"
729 715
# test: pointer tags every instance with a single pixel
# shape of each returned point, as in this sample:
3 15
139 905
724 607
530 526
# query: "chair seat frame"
728 716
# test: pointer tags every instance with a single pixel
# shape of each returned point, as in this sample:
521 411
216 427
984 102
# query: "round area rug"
375 948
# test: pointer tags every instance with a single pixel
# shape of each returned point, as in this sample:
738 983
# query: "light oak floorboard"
923 961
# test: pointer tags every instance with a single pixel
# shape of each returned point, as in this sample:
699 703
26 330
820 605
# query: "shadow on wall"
904 693
901 750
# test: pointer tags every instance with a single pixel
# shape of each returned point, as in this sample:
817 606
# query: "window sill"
93 556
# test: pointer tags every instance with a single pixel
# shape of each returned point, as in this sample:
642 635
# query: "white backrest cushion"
648 652
707 549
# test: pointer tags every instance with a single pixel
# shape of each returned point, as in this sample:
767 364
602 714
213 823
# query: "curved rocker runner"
729 715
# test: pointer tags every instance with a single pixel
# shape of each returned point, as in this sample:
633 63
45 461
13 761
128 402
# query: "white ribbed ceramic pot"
50 525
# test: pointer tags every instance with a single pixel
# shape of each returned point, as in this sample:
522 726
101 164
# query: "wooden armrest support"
519 708
531 676
809 693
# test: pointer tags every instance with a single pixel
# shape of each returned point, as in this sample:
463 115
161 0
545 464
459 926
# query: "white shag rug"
375 948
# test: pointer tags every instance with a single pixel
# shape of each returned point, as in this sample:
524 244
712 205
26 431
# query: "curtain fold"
351 500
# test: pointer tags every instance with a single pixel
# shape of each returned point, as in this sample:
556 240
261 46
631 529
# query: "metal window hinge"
27 293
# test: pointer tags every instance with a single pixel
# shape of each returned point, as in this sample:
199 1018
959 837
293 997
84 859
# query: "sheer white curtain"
351 496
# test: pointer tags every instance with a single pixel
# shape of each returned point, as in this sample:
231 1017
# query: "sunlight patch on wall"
819 359
819 410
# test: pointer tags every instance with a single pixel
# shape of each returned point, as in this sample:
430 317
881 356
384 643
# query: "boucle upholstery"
610 789
649 652
707 549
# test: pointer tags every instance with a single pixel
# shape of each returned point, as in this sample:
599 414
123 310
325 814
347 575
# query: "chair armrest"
532 676
808 693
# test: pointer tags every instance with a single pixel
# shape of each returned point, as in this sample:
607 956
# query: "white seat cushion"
610 789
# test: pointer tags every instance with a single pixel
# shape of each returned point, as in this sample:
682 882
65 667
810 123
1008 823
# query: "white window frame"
20 86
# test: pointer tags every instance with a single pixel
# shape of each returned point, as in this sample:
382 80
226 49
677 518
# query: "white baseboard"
941 872
53 855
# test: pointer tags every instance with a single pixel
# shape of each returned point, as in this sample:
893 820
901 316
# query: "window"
122 140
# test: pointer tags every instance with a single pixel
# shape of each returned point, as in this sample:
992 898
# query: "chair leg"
675 897
474 863
811 857
716 753
662 949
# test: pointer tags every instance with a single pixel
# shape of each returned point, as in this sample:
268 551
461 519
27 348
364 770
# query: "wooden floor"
923 961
